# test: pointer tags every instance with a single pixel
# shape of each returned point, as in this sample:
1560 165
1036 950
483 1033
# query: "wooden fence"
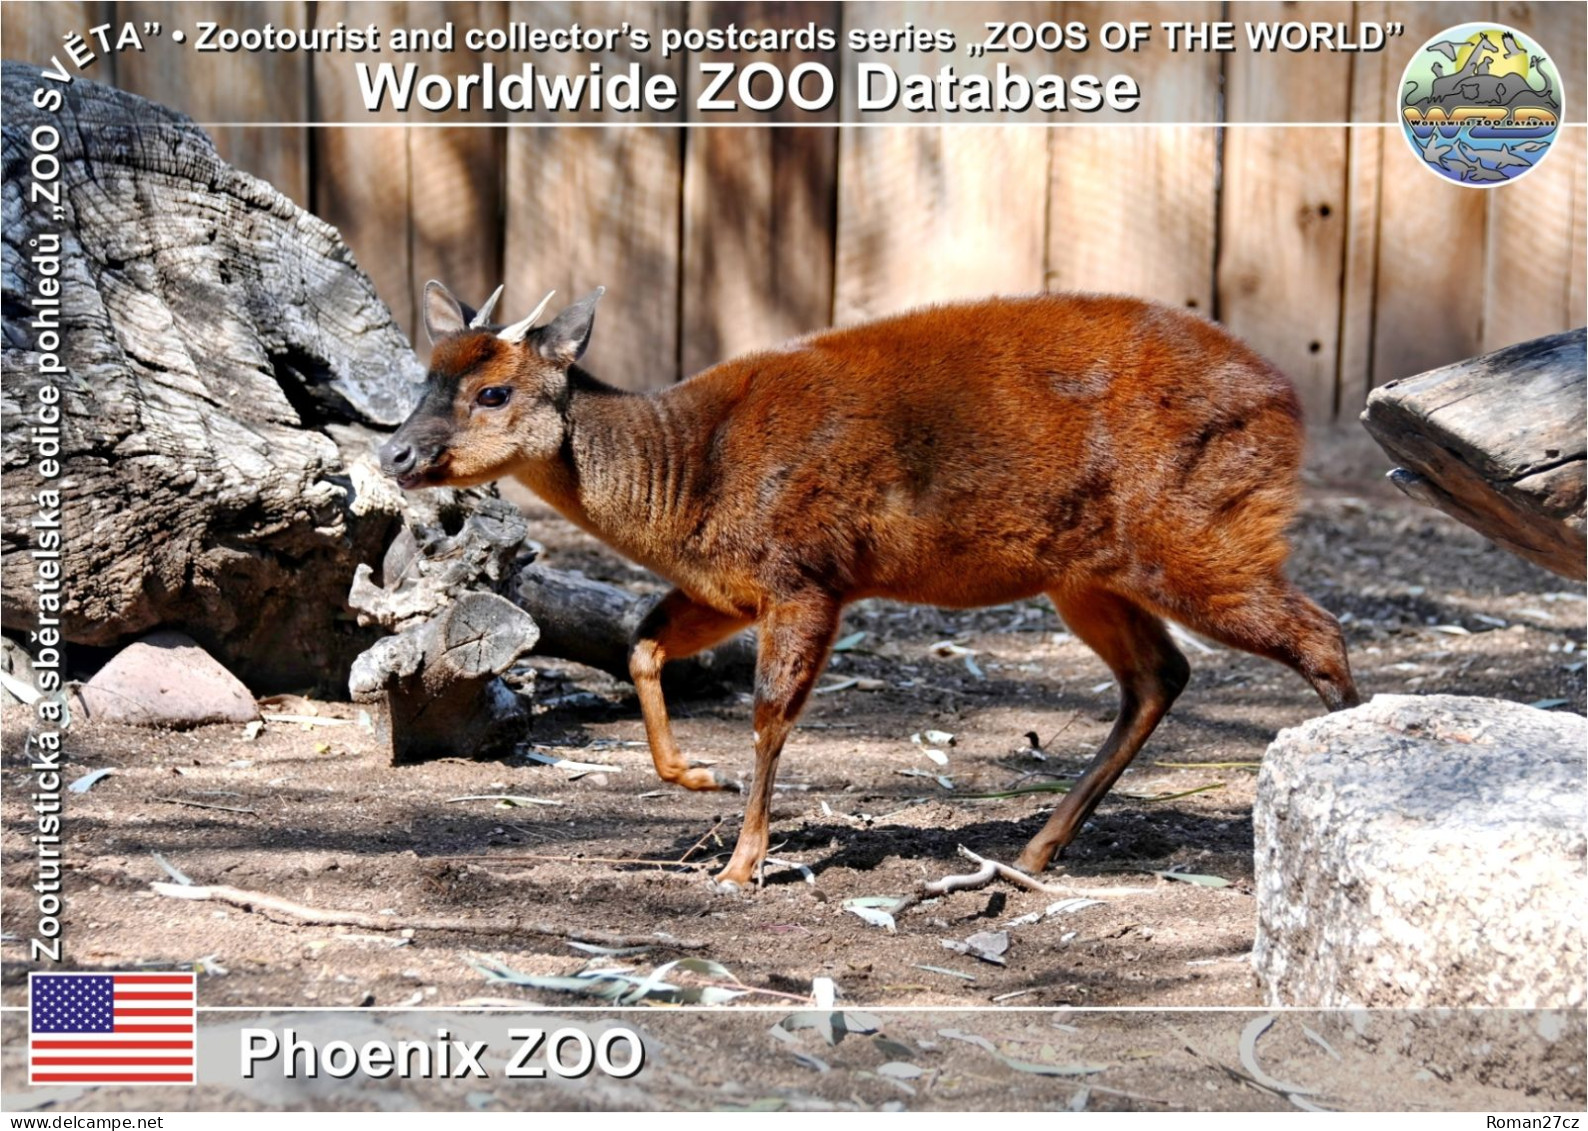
1323 246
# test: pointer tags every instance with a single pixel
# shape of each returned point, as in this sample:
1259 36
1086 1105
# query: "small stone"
166 680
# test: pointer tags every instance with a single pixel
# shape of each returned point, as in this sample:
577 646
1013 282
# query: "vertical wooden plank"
1135 211
1577 282
594 205
217 87
933 213
1530 250
1370 76
1531 256
31 32
361 176
1282 250
759 212
1431 238
456 176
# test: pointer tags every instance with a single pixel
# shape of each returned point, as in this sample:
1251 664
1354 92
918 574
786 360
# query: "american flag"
111 1029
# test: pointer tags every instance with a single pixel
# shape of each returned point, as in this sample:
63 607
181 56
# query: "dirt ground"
312 814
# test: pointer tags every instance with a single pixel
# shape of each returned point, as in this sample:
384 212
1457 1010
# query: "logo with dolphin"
1480 104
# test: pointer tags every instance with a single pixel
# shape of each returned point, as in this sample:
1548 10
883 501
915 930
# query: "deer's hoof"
1033 863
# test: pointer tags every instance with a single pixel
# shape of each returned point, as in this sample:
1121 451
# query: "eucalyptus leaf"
705 966
606 951
89 780
171 869
874 917
1039 1069
887 1046
901 1070
812 1062
1255 1028
1194 878
969 1038
709 995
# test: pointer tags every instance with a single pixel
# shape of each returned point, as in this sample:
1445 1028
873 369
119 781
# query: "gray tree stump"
1423 851
1499 442
437 680
478 587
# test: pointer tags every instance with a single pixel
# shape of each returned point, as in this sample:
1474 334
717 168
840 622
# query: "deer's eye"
494 397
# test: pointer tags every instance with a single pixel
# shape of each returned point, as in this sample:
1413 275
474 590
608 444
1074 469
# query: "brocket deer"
1133 462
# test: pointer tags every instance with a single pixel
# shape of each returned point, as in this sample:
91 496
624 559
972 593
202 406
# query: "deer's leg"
795 638
676 627
1278 622
1151 674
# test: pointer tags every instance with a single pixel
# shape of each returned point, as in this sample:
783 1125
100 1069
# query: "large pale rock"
166 680
1423 851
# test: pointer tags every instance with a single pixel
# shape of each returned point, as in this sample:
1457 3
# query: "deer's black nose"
397 457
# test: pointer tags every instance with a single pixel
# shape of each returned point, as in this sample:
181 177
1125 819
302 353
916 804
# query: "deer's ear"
565 338
443 314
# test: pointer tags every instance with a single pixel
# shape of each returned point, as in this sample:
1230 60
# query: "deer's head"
496 397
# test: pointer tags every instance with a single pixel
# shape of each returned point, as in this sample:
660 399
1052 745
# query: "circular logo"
1480 104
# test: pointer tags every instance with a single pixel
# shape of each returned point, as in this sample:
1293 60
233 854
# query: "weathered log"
225 360
592 623
1499 443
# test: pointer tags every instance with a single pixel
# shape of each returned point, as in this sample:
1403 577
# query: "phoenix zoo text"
535 1054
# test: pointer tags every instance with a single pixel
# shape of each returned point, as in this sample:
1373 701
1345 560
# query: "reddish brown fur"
1129 460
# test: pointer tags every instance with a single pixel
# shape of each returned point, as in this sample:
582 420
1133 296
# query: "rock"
1423 851
166 680
17 666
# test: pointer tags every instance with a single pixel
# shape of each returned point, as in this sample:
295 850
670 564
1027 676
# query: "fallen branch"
699 843
206 805
986 872
270 906
989 870
692 865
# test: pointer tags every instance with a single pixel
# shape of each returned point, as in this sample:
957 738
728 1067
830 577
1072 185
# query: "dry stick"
570 859
709 834
986 872
1069 722
989 870
318 916
205 805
